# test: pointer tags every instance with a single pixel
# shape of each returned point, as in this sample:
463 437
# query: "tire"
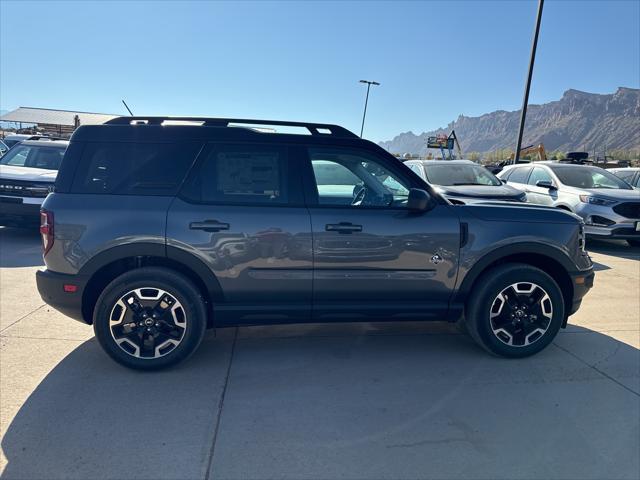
504 303
633 242
137 339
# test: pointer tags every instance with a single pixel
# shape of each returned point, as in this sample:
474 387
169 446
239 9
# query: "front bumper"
582 282
51 289
620 228
19 211
617 231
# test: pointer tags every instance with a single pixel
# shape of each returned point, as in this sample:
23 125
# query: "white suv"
27 174
609 206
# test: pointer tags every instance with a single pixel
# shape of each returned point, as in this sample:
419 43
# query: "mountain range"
578 121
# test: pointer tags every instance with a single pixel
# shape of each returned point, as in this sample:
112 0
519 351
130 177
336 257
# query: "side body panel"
86 225
400 265
263 261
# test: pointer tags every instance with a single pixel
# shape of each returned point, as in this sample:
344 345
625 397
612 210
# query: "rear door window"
244 174
134 168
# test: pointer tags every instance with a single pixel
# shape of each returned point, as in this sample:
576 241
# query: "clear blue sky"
303 60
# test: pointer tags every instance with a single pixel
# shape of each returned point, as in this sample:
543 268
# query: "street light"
364 114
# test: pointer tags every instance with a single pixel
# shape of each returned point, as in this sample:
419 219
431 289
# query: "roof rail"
44 137
313 128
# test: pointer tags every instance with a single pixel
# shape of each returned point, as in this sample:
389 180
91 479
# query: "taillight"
46 230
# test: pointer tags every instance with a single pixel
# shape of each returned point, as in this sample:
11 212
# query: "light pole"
525 100
364 114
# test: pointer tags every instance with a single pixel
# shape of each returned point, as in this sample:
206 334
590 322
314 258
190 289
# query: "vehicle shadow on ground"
20 247
90 418
616 248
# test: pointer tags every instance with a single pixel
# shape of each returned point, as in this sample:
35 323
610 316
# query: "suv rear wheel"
515 310
149 318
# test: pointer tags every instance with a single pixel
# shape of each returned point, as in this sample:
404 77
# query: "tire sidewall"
493 286
172 283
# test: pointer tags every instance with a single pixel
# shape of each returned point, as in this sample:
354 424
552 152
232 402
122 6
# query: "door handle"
343 227
209 226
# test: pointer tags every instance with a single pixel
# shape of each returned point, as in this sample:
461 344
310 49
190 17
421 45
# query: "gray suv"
161 227
609 206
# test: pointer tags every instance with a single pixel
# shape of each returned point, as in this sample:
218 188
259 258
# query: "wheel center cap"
519 313
148 322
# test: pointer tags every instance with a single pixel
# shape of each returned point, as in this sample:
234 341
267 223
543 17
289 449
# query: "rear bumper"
51 289
582 282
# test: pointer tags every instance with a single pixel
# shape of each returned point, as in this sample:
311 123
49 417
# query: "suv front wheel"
149 318
515 310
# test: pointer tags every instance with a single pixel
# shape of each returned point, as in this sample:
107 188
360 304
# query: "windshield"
456 174
34 156
589 177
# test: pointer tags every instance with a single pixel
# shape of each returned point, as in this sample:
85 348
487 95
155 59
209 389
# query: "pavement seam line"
604 374
23 317
24 337
220 407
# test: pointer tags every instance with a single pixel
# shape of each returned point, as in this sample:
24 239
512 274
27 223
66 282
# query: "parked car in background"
609 206
631 175
16 138
27 175
156 231
464 181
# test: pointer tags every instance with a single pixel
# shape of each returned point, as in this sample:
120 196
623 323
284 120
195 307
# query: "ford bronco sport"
161 227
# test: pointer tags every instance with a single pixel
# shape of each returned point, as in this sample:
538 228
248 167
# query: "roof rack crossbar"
313 128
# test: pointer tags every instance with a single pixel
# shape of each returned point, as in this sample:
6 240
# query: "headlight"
596 200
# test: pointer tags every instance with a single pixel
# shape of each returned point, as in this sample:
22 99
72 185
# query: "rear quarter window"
134 168
519 175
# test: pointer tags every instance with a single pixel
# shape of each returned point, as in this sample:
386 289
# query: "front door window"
354 179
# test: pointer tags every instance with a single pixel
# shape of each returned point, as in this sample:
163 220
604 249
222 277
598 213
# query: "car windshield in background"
34 156
589 177
456 174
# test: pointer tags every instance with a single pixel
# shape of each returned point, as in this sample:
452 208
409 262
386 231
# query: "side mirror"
546 184
419 200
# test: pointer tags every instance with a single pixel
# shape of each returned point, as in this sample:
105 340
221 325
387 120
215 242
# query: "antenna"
127 107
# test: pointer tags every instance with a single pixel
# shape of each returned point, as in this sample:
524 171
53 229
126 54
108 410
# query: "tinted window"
11 143
33 156
519 175
589 177
134 168
346 177
626 176
539 175
457 174
241 174
505 174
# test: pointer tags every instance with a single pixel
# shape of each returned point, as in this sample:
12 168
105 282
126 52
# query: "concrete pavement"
355 401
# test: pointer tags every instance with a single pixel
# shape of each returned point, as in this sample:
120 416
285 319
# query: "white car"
27 175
